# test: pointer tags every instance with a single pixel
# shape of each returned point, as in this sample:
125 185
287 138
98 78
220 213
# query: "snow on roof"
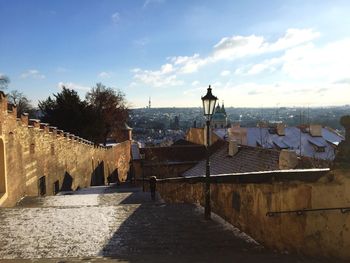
280 144
222 133
317 142
291 140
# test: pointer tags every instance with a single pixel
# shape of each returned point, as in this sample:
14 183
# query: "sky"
253 53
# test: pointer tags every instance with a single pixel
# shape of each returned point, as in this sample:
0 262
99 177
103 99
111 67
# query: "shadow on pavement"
157 232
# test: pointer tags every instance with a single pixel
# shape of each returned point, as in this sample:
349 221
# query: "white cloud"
73 86
149 2
341 81
225 73
187 64
158 78
294 37
230 48
329 63
115 18
236 47
195 83
32 73
104 75
252 94
268 65
195 91
166 68
319 70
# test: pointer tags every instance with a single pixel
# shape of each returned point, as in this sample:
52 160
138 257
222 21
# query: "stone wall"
166 170
30 150
245 201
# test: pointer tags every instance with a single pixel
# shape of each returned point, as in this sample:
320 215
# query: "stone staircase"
124 224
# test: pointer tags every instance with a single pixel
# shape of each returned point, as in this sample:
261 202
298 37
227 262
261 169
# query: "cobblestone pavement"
122 225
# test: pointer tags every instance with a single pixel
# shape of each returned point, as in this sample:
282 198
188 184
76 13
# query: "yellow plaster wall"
321 233
53 156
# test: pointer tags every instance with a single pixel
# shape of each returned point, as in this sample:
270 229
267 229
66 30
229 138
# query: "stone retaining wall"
30 150
245 202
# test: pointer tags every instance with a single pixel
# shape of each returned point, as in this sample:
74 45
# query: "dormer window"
272 130
317 145
280 145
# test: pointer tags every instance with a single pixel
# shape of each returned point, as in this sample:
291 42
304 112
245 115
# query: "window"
52 149
318 146
320 149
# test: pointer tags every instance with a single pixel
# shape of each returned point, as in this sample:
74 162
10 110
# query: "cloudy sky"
253 53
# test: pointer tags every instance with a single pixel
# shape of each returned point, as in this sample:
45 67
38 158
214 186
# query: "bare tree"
4 81
21 101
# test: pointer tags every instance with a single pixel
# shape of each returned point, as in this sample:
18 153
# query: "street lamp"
209 101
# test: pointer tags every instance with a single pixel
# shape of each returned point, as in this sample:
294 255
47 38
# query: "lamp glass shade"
209 101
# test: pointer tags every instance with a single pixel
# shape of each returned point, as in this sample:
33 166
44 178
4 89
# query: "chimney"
315 130
237 133
232 148
281 129
287 160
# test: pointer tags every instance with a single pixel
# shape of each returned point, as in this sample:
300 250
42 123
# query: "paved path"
108 224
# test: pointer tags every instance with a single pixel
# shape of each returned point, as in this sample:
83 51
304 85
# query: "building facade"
219 119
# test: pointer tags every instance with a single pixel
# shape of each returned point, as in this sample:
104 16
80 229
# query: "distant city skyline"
253 53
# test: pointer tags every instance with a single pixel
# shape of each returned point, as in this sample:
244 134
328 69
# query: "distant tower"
219 119
149 102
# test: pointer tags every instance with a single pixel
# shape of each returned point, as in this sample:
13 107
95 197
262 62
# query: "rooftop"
320 147
247 159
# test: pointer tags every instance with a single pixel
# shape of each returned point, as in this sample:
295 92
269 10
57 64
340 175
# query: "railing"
304 175
343 210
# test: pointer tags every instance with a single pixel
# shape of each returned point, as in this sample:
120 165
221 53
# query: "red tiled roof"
247 159
174 153
178 153
183 142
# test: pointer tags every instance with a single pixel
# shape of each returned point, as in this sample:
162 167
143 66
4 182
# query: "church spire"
218 109
223 108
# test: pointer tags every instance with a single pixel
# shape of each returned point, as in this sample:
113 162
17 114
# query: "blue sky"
253 53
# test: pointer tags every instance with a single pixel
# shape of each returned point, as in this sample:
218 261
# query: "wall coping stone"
303 175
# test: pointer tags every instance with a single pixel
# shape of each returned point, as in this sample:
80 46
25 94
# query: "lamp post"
209 101
143 171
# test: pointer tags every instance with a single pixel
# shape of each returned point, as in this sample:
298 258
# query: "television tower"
149 102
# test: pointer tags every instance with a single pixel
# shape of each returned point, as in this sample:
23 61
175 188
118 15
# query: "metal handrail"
300 212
